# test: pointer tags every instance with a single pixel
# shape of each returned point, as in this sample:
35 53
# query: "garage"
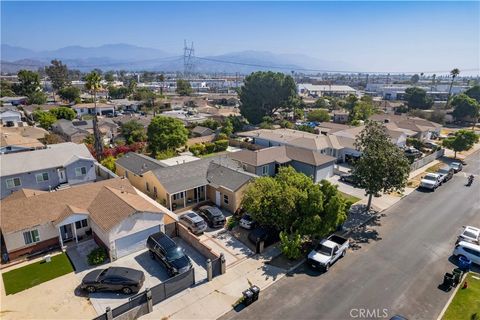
133 242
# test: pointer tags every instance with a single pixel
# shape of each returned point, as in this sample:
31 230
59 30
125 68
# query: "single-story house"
267 161
14 101
77 130
200 131
11 118
422 129
15 142
46 169
89 108
113 212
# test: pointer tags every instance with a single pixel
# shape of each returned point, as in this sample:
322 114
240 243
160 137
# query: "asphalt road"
395 266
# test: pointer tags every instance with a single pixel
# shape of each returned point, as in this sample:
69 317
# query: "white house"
11 118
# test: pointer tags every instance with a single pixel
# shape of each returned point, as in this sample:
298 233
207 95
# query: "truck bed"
337 239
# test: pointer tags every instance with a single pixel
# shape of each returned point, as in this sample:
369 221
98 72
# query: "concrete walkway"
213 299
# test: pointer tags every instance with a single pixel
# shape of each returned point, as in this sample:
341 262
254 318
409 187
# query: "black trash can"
256 291
247 297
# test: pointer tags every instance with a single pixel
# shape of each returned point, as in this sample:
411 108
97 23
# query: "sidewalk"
213 299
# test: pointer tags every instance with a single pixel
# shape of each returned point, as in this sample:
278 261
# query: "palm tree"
93 84
454 73
161 78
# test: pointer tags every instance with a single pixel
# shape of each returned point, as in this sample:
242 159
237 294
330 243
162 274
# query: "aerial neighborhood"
133 190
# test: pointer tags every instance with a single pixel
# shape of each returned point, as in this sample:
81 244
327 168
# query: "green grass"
466 302
213 154
349 197
33 274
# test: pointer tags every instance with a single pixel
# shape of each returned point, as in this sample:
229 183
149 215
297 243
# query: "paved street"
396 264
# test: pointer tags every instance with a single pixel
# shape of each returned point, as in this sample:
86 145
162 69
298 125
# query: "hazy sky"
380 36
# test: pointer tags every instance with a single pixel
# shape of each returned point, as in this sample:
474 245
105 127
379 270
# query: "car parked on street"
164 249
430 181
457 166
193 222
266 234
328 251
446 173
468 250
348 178
470 234
212 215
122 279
246 222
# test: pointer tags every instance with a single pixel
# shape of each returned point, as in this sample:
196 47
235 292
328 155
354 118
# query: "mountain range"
135 58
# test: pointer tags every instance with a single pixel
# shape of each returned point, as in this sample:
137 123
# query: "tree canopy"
63 113
183 87
70 94
417 98
58 74
263 93
362 110
118 92
463 140
474 92
464 106
322 103
165 133
293 203
37 97
382 166
44 118
319 115
133 131
28 83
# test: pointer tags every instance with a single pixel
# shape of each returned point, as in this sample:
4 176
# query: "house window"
31 236
225 199
265 170
155 191
81 224
80 171
147 186
126 174
13 182
41 177
177 196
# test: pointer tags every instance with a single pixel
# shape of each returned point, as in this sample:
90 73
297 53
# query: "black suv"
166 251
212 215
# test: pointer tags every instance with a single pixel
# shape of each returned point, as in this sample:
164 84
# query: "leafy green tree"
44 118
197 149
28 83
463 140
166 154
362 110
464 106
109 163
322 103
318 115
133 131
109 76
93 84
58 74
70 94
238 123
382 165
165 133
474 93
6 89
350 102
118 92
63 113
293 203
145 95
37 97
210 123
291 245
417 98
263 93
227 127
298 114
414 79
183 87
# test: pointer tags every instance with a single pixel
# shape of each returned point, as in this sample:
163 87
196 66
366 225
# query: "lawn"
33 274
349 197
466 302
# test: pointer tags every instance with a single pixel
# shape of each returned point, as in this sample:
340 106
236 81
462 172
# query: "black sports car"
114 279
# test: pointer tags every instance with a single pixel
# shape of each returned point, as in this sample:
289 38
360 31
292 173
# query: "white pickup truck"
328 251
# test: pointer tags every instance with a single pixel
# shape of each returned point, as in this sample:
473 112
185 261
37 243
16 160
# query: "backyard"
466 303
33 274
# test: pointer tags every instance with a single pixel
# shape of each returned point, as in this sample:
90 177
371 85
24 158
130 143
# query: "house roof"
55 155
227 177
70 128
202 130
92 106
15 139
178 160
107 202
29 132
139 163
405 122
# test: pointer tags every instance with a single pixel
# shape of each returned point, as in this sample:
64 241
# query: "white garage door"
133 242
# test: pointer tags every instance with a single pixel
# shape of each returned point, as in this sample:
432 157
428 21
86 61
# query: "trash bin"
464 263
256 291
247 297
457 276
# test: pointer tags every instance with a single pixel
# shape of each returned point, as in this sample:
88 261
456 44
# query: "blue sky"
372 36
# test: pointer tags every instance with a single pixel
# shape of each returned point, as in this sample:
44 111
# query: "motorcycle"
470 180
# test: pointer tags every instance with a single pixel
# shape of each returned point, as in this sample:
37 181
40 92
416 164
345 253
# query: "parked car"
194 223
468 250
457 166
328 251
430 181
164 249
121 279
430 145
470 234
247 222
212 215
446 173
266 234
348 178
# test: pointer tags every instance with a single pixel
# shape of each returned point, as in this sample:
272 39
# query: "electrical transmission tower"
188 59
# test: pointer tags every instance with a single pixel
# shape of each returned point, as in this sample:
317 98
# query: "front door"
217 198
62 177
67 233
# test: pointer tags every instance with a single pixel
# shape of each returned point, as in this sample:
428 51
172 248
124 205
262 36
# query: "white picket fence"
426 160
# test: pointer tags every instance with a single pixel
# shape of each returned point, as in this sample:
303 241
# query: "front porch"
73 228
186 199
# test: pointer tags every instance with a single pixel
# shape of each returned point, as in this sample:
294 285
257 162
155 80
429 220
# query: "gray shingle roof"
138 163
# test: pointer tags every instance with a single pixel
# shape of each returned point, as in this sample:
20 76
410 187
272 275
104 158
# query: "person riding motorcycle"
470 179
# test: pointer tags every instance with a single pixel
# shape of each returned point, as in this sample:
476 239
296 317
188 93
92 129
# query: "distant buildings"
313 90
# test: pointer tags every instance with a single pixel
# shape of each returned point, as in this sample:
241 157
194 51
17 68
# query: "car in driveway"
430 181
468 250
470 234
266 234
446 173
456 166
193 222
348 178
246 222
212 215
122 279
165 250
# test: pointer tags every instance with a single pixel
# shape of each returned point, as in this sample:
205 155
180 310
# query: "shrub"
197 149
221 145
209 147
291 245
222 136
166 154
97 256
231 223
109 163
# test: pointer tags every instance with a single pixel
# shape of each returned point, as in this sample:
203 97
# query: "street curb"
451 297
298 264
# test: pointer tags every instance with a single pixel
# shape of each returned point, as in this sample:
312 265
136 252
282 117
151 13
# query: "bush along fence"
142 303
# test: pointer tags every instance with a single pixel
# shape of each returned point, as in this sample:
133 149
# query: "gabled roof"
139 163
406 122
107 202
202 130
15 139
55 155
227 177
